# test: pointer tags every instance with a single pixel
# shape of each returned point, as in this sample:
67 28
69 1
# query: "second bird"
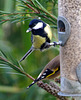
40 37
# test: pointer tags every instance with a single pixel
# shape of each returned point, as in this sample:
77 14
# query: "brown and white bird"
51 70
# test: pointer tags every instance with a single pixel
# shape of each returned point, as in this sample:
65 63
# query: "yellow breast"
38 41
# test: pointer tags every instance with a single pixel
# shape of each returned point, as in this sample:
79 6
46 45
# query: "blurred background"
15 41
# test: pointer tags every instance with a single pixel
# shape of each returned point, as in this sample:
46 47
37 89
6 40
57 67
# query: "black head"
36 24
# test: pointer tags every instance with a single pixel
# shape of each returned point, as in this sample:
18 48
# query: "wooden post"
70 54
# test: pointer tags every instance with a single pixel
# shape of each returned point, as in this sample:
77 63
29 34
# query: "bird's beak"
28 30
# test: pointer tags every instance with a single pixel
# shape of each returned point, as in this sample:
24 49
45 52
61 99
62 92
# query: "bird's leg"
52 44
57 43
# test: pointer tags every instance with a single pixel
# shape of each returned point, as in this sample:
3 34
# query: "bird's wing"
32 38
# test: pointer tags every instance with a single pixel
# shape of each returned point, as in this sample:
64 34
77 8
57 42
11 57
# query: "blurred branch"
5 61
52 88
31 8
10 89
36 11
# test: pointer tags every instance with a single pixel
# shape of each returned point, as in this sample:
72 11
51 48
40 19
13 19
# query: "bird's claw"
47 45
57 43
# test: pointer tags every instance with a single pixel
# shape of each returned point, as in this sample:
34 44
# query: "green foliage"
14 43
29 9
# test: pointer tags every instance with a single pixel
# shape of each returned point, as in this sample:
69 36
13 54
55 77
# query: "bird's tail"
27 54
35 81
31 84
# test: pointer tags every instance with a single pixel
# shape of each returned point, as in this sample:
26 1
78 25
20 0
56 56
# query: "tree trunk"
70 54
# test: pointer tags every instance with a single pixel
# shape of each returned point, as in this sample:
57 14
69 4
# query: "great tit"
51 70
40 37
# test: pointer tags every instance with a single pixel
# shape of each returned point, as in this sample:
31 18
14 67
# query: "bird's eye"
32 25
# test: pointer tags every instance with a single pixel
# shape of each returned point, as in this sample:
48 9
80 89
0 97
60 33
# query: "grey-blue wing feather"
32 38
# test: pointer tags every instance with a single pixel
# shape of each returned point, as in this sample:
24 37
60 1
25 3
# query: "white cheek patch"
38 25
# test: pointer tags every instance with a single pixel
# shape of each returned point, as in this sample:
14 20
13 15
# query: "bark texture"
70 54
